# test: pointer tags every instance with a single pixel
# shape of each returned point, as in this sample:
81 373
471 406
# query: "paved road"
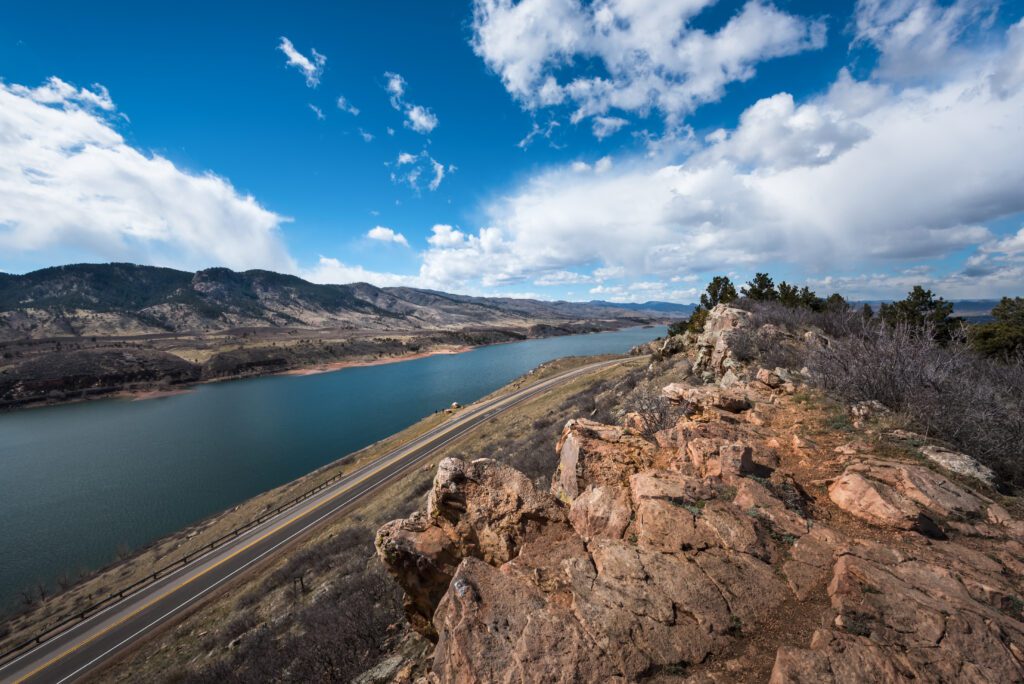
85 646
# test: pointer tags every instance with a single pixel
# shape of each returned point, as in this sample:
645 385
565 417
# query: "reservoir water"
79 482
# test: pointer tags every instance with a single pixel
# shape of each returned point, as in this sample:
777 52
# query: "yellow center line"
278 527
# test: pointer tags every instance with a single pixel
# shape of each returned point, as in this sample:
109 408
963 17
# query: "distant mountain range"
128 299
974 309
667 308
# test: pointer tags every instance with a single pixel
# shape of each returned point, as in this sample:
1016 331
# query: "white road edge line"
487 410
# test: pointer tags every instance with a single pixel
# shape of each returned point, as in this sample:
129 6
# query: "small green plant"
857 624
695 509
1014 607
838 421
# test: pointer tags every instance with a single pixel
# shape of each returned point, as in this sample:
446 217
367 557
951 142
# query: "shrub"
761 288
833 319
942 388
697 319
677 327
743 343
338 636
654 410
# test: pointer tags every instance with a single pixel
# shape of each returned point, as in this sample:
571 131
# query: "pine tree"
761 288
719 291
921 308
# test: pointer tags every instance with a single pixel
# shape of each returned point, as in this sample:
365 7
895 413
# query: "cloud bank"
874 171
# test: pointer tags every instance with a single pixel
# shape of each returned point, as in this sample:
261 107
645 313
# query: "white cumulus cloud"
332 271
420 119
652 56
605 126
385 234
346 106
870 172
921 38
410 168
69 183
417 118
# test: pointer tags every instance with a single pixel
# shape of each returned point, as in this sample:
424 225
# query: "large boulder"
488 509
902 496
714 355
590 453
959 463
482 509
946 615
496 627
601 512
707 398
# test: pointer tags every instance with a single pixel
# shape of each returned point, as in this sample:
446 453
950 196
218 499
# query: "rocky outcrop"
714 356
720 549
650 560
594 454
902 496
481 509
943 615
956 462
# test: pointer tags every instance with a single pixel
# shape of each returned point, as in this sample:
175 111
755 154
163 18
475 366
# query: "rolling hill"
127 299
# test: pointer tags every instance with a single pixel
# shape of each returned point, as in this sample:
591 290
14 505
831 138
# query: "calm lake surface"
78 482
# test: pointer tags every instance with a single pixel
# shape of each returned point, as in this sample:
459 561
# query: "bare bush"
654 410
770 345
743 344
945 391
834 321
340 634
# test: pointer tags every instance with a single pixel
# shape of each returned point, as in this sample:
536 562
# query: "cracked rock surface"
720 549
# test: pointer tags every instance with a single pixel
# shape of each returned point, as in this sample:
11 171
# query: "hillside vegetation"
73 332
126 299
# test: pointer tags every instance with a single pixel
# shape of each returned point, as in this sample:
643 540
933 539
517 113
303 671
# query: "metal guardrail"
54 630
58 628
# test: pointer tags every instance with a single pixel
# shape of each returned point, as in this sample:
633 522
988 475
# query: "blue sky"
863 150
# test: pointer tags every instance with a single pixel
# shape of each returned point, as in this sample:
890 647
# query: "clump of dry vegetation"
914 358
945 391
334 638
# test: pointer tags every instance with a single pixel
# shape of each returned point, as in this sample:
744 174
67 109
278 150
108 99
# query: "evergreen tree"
677 328
1004 336
719 291
810 300
789 295
761 288
921 308
836 302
